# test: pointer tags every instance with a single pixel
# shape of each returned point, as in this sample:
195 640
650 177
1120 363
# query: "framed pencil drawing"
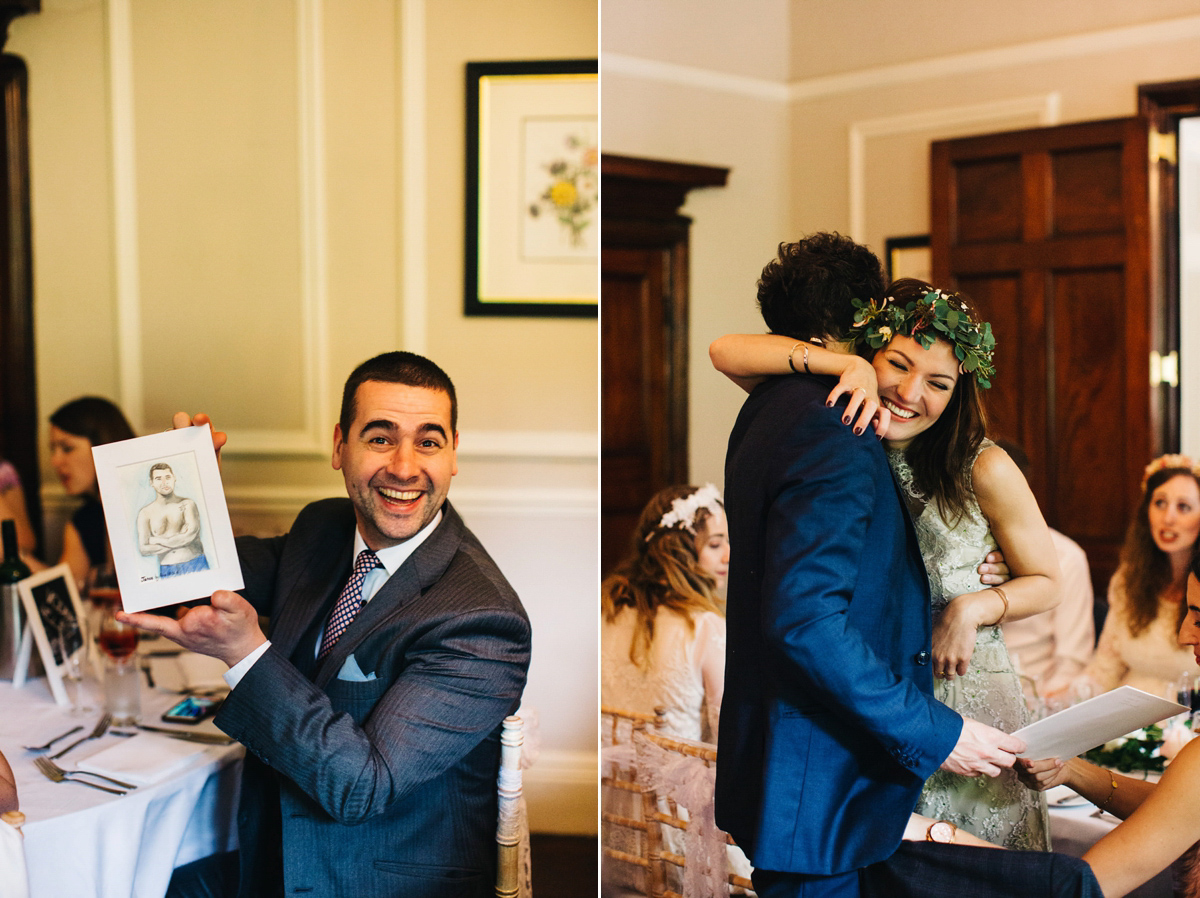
532 188
54 623
168 524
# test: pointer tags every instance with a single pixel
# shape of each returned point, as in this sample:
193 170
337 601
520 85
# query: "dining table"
81 841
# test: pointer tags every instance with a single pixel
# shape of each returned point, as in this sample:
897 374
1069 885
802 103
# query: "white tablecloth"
83 842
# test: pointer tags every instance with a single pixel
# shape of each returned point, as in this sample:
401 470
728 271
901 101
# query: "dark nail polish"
846 419
858 431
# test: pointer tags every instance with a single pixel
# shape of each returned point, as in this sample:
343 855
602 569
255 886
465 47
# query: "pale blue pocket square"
351 672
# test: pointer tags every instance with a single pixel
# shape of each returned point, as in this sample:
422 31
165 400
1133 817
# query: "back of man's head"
398 367
806 290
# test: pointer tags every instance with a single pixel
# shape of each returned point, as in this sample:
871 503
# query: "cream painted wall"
235 202
678 110
855 158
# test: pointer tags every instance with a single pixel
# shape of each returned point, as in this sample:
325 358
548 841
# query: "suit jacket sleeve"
818 525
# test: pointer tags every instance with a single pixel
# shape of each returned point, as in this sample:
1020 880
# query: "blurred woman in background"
1138 645
74 429
663 635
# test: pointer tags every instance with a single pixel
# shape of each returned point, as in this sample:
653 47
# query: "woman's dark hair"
1144 566
806 290
662 570
93 418
941 457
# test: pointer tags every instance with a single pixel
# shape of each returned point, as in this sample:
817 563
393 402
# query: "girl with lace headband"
925 359
662 642
1138 645
664 634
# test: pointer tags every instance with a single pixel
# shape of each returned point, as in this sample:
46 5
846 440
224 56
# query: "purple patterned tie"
349 602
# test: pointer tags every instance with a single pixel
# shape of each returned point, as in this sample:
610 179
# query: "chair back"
512 825
15 882
657 769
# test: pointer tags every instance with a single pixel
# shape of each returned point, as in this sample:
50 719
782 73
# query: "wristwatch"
941 831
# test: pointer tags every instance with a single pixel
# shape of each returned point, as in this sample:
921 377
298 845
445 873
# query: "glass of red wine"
118 641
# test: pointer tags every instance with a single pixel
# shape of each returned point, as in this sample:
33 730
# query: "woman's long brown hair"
661 571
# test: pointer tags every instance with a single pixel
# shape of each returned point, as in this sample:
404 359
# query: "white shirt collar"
394 556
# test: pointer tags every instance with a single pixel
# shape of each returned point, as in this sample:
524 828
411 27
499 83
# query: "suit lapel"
312 594
395 598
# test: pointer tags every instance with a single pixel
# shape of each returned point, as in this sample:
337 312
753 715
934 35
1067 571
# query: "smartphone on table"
191 709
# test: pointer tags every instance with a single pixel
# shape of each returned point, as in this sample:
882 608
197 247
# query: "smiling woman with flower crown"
929 360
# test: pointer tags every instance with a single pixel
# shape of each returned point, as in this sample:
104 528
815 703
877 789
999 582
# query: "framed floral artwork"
532 188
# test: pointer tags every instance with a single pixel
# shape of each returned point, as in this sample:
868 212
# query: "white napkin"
142 759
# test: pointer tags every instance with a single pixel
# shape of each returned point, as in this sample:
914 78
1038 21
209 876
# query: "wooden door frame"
640 211
1163 105
18 381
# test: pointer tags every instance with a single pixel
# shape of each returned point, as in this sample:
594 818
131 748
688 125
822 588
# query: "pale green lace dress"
999 810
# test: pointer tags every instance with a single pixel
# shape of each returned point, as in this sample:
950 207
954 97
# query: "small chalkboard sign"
53 620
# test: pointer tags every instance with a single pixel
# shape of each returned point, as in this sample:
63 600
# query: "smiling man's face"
397 459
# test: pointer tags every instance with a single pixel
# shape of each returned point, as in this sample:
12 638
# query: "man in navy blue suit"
828 726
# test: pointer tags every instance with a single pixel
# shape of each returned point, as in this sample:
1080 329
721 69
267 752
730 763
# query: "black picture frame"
908 257
479 180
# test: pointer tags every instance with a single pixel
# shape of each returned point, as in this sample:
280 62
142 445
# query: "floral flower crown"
683 511
1169 461
934 315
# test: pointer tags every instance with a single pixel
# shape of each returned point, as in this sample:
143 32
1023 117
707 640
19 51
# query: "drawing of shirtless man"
169 527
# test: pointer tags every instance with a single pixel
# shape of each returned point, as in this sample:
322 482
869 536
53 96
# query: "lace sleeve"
710 661
1107 667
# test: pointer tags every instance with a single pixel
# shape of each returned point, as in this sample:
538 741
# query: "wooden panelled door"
643 337
1047 231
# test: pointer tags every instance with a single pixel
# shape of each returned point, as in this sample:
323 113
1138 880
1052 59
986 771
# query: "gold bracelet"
806 370
791 363
1004 599
1103 805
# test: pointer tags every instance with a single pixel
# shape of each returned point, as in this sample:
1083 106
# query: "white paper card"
167 519
1081 727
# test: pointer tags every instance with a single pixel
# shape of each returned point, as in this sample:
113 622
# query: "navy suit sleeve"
459 679
818 525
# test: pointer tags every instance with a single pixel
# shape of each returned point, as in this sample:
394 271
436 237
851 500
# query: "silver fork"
48 766
46 747
100 730
59 775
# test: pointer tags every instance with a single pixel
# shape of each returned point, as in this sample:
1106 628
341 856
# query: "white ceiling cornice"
1032 52
692 76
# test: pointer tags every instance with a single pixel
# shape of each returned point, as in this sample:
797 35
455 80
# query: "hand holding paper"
982 749
166 515
226 629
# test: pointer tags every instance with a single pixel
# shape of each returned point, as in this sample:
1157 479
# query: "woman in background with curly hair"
1139 646
663 639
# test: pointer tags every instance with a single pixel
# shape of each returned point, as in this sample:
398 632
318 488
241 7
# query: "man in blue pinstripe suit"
371 716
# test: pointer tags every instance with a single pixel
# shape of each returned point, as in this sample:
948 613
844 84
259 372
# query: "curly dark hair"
1145 567
941 456
662 570
806 290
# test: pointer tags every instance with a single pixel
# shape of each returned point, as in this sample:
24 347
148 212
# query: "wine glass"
72 674
122 686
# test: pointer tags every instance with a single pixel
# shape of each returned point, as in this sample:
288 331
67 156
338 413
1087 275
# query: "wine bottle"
12 571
